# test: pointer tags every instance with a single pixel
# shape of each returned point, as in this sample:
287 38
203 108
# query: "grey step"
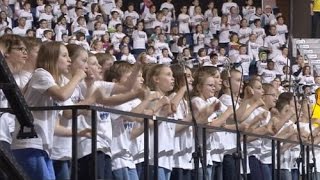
307 41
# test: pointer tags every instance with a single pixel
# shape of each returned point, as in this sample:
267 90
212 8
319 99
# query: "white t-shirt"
7 120
139 39
280 62
184 20
129 58
273 42
20 31
121 140
282 30
245 61
44 121
183 141
229 139
214 24
244 35
224 34
226 7
214 143
62 146
267 75
135 16
260 33
104 127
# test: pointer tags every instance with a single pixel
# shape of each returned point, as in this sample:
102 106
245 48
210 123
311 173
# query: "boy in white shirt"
269 74
259 31
127 56
273 42
244 32
47 15
114 21
21 29
43 26
282 29
26 13
245 60
131 12
282 60
165 59
253 47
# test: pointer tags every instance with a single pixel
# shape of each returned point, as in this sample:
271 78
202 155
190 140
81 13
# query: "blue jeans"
104 170
208 172
163 174
229 167
61 169
181 174
35 162
140 170
255 168
295 174
216 171
125 174
285 174
266 171
316 176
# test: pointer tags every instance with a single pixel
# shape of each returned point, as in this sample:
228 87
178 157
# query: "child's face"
150 51
244 23
258 24
165 53
215 42
130 8
259 11
257 90
161 38
99 45
317 80
49 35
39 2
164 81
270 98
197 10
243 50
210 5
186 52
184 9
270 65
94 67
252 37
207 89
48 9
222 51
107 64
203 53
31 34
65 38
214 59
280 21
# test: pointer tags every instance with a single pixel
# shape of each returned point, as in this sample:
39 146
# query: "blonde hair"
48 57
153 72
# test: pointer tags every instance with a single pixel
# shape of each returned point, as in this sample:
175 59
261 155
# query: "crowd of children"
93 52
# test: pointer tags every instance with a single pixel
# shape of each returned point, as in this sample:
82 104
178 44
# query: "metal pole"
245 154
273 151
146 148
156 149
278 159
204 152
74 166
94 144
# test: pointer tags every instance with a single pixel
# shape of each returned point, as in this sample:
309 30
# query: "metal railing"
276 142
